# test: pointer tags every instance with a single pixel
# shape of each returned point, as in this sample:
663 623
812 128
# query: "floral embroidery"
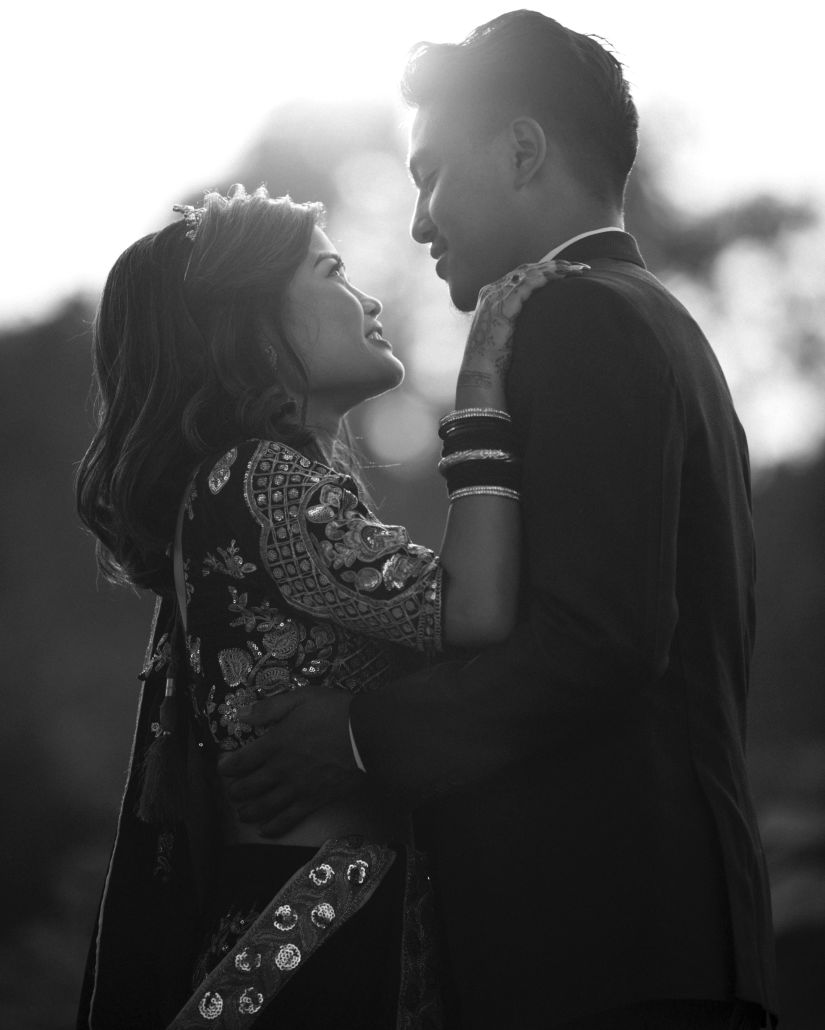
331 557
160 659
219 476
188 586
163 856
350 537
193 645
398 570
230 563
224 715
230 928
328 595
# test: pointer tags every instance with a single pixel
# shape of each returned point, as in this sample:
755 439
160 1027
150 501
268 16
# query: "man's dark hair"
524 63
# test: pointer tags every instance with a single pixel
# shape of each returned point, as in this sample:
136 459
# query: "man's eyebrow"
324 255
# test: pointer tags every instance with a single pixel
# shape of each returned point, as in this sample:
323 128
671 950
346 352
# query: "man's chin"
464 297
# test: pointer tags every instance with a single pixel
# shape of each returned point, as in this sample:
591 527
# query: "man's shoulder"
588 313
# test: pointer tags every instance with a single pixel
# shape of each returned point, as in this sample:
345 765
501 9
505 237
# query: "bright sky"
112 111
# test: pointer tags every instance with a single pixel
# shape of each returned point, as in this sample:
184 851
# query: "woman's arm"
480 552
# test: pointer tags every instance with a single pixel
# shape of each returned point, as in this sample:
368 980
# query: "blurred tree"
674 240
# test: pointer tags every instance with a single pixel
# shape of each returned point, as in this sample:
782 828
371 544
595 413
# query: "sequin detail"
330 555
250 1002
246 962
322 874
211 1005
303 915
219 476
229 561
358 871
255 641
285 918
194 654
288 957
322 915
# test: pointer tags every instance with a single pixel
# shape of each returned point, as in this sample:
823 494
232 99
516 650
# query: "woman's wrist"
479 389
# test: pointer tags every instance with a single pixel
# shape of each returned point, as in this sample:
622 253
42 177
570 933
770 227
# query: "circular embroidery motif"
322 874
210 1005
358 871
285 918
250 1002
322 915
288 957
245 963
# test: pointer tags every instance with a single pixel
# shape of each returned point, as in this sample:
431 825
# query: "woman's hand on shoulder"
489 345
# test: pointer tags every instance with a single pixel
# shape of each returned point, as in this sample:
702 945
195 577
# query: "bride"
228 348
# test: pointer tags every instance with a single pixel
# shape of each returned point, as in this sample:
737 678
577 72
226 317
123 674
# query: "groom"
598 859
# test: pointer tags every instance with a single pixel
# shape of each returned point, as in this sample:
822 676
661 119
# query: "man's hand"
302 762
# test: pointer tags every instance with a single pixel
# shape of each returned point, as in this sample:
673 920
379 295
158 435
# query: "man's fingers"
253 785
270 709
255 753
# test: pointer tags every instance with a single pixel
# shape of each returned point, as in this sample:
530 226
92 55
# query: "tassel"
164 793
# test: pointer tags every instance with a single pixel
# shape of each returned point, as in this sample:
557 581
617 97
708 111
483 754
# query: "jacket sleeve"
603 435
323 550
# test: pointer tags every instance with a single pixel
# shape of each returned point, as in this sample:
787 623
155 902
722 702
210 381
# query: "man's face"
465 201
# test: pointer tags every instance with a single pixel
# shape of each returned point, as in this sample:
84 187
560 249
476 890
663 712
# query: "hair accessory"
193 216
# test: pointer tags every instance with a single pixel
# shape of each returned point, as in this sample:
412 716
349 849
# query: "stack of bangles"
478 456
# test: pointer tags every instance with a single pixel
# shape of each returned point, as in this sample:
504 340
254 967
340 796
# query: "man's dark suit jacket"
594 838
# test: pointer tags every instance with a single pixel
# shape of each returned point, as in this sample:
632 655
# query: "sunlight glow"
118 111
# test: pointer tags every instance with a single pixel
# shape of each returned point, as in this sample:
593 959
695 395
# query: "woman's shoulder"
260 457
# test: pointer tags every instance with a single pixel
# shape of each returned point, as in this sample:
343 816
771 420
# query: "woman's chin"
393 377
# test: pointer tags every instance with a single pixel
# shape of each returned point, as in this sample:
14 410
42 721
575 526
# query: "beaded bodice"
290 579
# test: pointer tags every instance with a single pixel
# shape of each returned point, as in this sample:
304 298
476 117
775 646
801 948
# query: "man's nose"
422 229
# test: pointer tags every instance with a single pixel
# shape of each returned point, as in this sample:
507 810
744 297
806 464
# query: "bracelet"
491 491
452 416
489 435
478 454
462 416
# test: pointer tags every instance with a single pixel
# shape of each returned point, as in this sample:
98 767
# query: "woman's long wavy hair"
191 357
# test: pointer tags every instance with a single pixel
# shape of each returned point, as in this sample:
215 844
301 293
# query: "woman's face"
335 329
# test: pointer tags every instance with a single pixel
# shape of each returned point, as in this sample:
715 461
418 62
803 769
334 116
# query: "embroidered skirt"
374 971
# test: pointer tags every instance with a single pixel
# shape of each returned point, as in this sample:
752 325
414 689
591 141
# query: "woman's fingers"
560 269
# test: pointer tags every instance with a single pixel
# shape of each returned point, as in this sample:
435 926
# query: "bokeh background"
113 112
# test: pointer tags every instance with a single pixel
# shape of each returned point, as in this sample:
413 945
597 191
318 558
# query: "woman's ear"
529 149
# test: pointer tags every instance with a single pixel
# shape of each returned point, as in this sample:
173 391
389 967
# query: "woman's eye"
338 268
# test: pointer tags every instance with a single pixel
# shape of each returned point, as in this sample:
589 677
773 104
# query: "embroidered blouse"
290 579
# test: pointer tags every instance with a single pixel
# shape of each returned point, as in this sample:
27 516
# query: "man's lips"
441 267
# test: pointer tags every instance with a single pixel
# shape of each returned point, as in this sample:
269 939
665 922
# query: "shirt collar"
581 236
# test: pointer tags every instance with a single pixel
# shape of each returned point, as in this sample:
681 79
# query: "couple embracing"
502 786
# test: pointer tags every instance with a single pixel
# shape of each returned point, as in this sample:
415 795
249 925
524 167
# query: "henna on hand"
488 350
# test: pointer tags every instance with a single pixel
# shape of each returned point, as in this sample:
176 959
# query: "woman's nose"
372 305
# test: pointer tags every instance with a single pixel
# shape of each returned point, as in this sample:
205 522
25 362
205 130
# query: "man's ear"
529 149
